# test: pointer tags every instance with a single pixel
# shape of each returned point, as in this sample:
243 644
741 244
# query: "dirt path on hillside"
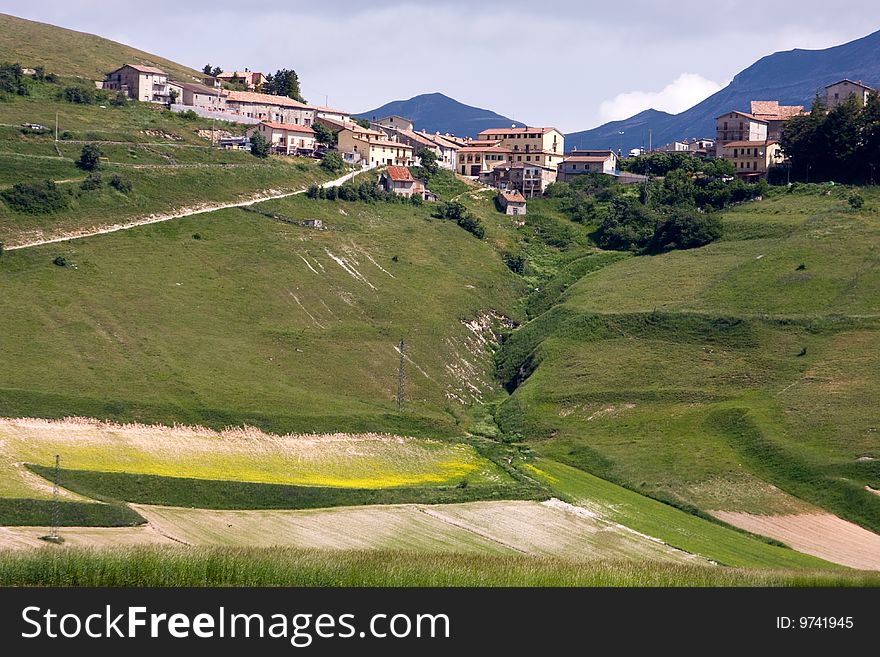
821 534
265 195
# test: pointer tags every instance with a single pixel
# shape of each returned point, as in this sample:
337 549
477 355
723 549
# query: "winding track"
268 195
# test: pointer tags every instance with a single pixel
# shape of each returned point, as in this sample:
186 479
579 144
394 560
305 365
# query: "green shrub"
92 182
455 211
120 184
856 201
516 262
119 100
80 95
89 158
259 146
332 162
35 198
60 261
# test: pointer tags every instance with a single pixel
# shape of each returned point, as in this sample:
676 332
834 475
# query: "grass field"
281 327
735 377
290 567
37 44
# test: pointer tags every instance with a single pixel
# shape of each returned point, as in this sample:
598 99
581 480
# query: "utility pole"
56 127
53 536
401 375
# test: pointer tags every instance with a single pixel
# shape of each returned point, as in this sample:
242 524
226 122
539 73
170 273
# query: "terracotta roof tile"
399 174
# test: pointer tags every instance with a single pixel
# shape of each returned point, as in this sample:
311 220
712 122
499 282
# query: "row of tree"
842 144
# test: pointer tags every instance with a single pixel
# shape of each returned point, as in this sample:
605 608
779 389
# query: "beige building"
287 138
448 149
751 159
372 148
322 112
527 178
512 202
252 80
144 83
479 157
775 115
394 122
544 146
740 126
580 162
268 107
199 95
837 93
400 181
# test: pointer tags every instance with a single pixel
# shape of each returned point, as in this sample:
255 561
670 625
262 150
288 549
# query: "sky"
563 63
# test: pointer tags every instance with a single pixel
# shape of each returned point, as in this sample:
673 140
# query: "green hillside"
702 376
68 52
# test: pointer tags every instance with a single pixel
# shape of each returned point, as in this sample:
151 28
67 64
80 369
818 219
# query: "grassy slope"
256 322
647 391
167 173
288 567
673 526
38 44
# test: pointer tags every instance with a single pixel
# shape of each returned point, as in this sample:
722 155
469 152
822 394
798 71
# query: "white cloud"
686 91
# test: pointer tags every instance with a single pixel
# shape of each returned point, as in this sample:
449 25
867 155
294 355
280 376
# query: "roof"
264 99
357 129
143 69
747 144
201 88
393 116
399 174
244 75
503 131
512 196
591 152
441 141
745 114
858 84
290 127
330 110
773 111
586 158
415 136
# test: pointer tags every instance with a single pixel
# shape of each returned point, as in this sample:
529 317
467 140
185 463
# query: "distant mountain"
68 52
438 113
791 77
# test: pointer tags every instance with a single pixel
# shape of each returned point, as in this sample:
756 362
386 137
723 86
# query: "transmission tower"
401 375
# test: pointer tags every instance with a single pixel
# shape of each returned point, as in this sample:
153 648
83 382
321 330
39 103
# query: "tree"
89 158
216 71
324 135
332 162
206 69
12 80
285 82
259 146
173 95
35 198
364 123
39 73
119 100
429 160
685 229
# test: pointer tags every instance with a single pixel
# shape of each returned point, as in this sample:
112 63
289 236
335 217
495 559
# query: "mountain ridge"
437 112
